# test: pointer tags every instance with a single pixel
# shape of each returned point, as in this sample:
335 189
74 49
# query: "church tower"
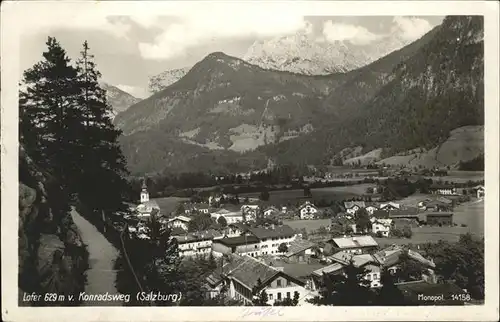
144 192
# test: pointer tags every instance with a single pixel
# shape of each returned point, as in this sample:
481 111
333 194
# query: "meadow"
460 176
168 204
309 225
281 197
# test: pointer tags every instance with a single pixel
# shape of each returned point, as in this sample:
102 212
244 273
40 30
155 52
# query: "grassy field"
279 197
309 225
168 204
461 176
472 214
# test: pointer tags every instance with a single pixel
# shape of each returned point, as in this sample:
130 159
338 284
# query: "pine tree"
347 289
389 294
49 114
103 185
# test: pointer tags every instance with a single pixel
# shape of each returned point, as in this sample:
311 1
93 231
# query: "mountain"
161 81
436 88
119 99
225 110
303 53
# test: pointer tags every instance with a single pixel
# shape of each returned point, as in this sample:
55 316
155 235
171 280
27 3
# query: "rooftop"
237 241
277 231
335 267
358 260
298 245
181 218
197 236
350 204
354 242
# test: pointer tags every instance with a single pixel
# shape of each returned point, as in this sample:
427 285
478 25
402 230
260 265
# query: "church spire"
144 192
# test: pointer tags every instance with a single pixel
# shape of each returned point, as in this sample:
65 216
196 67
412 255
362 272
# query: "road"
101 275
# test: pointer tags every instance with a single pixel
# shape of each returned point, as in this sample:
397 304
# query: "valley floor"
101 275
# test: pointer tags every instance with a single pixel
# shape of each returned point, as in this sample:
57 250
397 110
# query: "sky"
128 49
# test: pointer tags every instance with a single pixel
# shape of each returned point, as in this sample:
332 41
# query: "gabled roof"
237 241
177 231
248 270
277 231
271 208
307 203
298 245
350 204
181 218
335 267
407 212
354 242
389 204
357 260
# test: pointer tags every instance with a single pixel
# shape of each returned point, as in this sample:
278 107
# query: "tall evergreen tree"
103 185
49 114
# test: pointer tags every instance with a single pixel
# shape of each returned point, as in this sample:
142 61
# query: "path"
101 275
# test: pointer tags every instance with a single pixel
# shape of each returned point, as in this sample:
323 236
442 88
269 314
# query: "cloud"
411 28
357 35
196 29
135 91
87 18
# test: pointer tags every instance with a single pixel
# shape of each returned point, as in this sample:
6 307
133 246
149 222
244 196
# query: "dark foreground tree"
103 161
347 289
49 116
388 294
261 298
461 262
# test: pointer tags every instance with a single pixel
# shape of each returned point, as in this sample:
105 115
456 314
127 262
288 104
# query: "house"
242 244
389 206
406 217
299 250
270 211
443 189
439 219
388 258
179 221
354 244
307 210
235 229
250 212
479 191
437 205
371 209
147 206
203 208
245 277
230 213
351 207
382 225
196 243
271 238
178 231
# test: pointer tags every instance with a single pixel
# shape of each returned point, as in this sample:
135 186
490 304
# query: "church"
146 207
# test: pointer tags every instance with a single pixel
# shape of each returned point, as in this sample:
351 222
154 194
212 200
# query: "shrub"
463 225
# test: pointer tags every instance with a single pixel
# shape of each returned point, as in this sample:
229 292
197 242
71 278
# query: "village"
261 245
